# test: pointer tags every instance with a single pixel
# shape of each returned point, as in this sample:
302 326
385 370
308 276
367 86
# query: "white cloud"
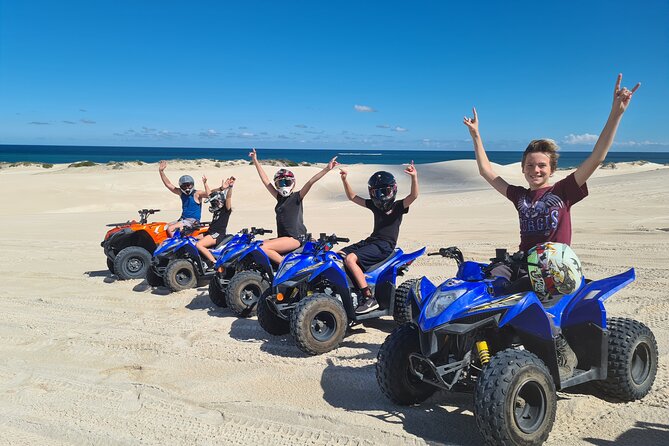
399 129
363 108
585 138
210 133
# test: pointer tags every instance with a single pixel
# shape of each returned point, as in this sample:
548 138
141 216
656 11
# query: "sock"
366 292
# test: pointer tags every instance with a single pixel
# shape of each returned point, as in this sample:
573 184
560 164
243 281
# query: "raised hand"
472 123
333 163
622 96
253 155
228 182
162 165
204 179
411 170
342 173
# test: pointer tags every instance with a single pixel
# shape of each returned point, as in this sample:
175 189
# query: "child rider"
220 205
380 244
289 211
544 209
191 200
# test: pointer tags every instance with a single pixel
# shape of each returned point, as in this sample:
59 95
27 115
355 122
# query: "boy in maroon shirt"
544 209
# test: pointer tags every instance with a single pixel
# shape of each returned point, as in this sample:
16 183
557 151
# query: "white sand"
86 359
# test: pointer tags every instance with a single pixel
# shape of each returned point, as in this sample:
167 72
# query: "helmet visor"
186 186
283 182
382 193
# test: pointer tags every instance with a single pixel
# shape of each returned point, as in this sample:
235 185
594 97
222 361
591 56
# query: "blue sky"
306 74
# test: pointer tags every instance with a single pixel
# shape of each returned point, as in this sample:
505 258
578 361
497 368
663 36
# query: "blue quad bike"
314 298
177 264
469 335
227 266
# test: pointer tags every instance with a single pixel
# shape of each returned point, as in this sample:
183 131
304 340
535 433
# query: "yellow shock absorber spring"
484 353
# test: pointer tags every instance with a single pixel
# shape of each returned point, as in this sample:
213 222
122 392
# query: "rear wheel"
269 321
180 275
318 324
632 363
153 278
244 290
402 312
393 372
132 263
515 400
216 294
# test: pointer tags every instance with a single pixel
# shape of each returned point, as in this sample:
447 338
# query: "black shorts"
370 252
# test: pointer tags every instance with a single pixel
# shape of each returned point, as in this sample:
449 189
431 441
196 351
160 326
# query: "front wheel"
269 321
393 372
180 275
216 293
402 313
515 400
132 263
632 363
244 290
318 324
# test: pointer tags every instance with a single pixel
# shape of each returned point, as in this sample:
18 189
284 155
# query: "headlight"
441 301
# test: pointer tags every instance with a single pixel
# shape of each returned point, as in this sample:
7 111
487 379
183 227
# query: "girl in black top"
289 212
221 206
380 244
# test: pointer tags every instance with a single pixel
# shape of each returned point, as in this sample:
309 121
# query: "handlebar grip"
268 231
434 254
343 239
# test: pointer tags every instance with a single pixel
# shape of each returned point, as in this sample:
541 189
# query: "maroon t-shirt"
544 213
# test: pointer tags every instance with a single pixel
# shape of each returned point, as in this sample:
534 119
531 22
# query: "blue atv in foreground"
227 266
314 298
468 334
177 264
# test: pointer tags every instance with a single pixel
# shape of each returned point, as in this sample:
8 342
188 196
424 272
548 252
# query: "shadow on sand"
641 434
355 389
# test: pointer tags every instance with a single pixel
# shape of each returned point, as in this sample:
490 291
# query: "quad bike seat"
224 241
378 264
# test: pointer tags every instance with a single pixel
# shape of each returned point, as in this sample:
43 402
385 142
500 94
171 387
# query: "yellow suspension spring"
484 353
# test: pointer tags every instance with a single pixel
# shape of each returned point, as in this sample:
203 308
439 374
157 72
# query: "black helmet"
216 201
382 189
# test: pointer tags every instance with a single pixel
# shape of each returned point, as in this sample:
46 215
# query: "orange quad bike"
129 246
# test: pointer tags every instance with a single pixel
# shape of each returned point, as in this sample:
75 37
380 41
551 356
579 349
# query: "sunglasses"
186 186
283 182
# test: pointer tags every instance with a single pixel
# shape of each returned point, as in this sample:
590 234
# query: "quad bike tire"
110 265
515 400
632 360
132 263
393 372
269 321
318 324
402 313
180 275
153 278
244 290
217 294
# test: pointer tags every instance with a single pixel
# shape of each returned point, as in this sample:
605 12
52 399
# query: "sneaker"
367 305
566 358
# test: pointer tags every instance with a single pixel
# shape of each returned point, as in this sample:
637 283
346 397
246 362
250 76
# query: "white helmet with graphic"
554 270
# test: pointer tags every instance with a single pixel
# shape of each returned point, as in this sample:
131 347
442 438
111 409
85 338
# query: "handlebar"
333 239
452 252
260 231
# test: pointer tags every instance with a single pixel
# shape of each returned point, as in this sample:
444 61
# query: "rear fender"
404 259
588 304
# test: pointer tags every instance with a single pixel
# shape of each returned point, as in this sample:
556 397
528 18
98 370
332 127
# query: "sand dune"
87 359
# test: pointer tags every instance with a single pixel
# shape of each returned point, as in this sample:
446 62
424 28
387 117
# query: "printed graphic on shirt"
540 216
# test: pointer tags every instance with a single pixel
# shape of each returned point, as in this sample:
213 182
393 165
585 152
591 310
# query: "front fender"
256 255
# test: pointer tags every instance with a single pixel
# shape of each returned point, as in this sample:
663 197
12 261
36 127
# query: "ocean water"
104 154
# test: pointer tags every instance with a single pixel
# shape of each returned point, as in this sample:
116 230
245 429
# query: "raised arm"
207 190
263 176
166 181
485 168
621 99
411 171
349 192
227 185
307 186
